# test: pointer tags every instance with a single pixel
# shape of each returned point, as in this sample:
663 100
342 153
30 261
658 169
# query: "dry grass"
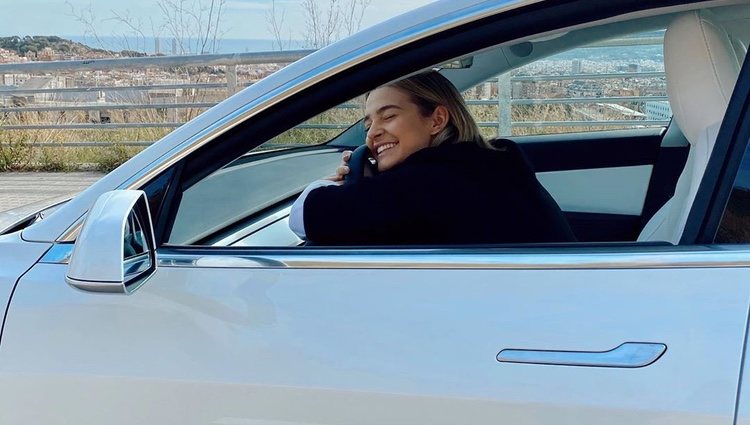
19 149
35 150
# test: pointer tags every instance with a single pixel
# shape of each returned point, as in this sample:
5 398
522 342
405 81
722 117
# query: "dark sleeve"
382 209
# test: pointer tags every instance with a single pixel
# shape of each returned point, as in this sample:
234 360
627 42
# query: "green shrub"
111 157
55 159
15 155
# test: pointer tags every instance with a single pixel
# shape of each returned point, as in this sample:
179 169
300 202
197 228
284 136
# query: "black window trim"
718 180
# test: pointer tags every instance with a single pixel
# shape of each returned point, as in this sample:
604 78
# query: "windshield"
22 217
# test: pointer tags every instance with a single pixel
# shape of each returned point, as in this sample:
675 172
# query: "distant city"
578 63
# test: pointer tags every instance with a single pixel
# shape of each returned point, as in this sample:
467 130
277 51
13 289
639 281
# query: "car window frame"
291 100
723 165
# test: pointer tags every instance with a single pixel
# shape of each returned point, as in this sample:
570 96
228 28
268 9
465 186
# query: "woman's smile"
384 147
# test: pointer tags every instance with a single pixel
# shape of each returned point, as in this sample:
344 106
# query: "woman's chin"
386 162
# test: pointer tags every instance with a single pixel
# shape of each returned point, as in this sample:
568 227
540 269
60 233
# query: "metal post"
503 105
231 71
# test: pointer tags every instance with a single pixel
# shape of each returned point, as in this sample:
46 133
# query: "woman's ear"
440 118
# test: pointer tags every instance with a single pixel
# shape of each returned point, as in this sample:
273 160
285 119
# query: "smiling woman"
396 128
422 111
435 171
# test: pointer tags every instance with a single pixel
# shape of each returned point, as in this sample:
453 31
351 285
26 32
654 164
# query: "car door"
391 336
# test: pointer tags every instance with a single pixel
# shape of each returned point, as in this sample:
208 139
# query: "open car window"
319 129
246 203
262 179
605 157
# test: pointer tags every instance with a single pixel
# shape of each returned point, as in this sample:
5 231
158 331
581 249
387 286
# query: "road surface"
17 189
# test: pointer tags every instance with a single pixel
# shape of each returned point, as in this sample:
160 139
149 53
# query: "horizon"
225 45
241 19
116 44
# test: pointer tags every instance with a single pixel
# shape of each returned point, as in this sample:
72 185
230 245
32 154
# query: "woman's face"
396 128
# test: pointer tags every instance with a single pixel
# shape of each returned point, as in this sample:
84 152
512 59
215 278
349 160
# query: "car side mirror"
115 251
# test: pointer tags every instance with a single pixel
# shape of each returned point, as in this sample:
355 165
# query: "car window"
615 84
612 84
260 179
244 188
320 128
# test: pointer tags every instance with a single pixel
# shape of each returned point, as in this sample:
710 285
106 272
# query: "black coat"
451 194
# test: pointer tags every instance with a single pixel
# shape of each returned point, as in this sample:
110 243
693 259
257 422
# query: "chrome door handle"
629 354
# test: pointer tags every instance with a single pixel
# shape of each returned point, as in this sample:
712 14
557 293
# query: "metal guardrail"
593 123
93 126
107 107
486 124
600 76
486 102
226 59
19 91
231 61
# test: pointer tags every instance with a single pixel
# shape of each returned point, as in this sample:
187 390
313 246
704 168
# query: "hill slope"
36 43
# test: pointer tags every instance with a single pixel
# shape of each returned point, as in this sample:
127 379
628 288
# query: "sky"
243 19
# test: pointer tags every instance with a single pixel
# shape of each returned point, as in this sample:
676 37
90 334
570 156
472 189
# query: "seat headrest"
701 68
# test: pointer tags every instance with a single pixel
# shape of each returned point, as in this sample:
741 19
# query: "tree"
354 12
324 25
135 30
87 18
321 25
275 25
195 25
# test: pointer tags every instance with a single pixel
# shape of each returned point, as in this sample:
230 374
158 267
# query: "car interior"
625 185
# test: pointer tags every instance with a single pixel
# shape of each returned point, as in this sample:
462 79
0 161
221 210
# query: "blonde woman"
438 180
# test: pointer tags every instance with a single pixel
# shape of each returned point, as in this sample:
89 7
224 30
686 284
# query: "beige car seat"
701 67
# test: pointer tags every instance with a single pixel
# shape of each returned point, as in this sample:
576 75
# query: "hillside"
36 43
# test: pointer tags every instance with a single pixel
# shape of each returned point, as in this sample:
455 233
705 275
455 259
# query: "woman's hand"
343 169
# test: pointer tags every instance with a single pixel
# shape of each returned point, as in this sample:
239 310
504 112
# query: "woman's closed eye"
388 117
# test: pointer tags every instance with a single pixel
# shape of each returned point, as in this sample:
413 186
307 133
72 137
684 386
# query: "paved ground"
18 189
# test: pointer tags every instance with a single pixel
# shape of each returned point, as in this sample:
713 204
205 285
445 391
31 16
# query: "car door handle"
627 355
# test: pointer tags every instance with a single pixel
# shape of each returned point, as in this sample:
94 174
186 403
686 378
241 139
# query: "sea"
148 44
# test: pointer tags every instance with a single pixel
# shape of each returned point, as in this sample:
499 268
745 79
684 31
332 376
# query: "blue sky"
243 18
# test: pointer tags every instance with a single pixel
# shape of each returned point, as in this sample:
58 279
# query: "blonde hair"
430 89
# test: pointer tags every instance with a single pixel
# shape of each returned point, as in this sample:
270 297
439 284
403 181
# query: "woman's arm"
296 216
396 207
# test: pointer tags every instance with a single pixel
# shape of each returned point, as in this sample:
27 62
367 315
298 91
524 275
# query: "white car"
229 319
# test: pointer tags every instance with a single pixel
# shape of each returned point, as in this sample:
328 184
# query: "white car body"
371 336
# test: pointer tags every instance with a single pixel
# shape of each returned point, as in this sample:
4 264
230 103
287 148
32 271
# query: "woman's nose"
374 131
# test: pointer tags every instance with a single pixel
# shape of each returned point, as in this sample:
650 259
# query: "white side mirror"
115 251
